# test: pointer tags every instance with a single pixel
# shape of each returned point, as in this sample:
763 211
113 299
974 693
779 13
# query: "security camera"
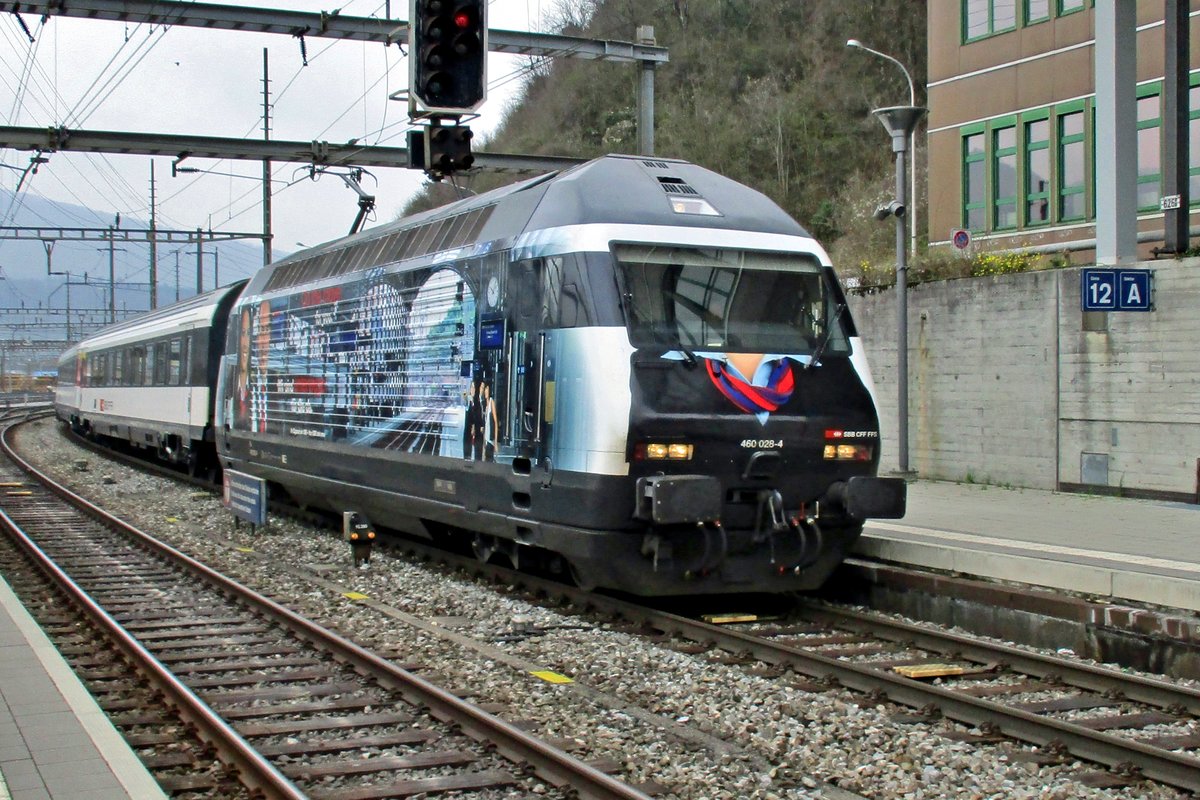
885 210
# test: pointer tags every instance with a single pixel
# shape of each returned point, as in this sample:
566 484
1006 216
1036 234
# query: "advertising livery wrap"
636 371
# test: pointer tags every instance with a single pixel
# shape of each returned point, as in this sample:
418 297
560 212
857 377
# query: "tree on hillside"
763 91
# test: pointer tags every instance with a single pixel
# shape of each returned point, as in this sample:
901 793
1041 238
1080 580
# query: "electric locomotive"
636 364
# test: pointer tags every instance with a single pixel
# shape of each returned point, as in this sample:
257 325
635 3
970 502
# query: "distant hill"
26 284
763 91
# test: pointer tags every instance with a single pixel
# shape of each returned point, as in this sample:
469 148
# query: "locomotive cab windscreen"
708 299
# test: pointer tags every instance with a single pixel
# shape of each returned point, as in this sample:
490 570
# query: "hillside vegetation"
763 91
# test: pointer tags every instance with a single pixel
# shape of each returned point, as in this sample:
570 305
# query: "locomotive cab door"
524 347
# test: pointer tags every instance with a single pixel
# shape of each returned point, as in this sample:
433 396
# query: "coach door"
224 410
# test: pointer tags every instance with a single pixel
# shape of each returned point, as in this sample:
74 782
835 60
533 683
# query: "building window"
1004 177
1037 172
974 182
1072 178
1149 151
987 17
1036 11
1070 6
1194 145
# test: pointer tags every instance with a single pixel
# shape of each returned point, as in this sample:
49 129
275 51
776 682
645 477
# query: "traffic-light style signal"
448 150
447 55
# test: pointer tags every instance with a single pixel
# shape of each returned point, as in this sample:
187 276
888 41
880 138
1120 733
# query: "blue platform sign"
1116 289
246 496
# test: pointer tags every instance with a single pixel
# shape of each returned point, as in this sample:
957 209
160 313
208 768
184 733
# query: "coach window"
137 366
175 362
160 363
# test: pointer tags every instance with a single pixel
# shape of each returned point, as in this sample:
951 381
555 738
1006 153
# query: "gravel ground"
698 727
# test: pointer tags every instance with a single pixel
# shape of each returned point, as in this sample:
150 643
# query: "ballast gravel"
693 726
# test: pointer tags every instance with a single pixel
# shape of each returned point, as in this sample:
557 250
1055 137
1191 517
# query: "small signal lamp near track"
360 536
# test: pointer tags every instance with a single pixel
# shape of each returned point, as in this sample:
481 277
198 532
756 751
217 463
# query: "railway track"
1066 708
277 705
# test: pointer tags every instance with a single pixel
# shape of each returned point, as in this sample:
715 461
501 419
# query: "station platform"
1115 549
55 742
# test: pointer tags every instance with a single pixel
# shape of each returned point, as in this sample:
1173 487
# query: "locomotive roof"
612 189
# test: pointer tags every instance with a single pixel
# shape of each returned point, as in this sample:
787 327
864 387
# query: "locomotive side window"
727 300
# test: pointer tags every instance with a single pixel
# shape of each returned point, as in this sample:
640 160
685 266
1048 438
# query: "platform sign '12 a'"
1116 289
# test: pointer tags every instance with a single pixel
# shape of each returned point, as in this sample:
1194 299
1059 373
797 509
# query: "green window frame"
1070 6
1072 156
1149 146
984 18
1036 11
1003 166
974 177
1194 140
1037 169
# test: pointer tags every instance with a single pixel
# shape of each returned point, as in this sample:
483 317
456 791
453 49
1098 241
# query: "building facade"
1011 126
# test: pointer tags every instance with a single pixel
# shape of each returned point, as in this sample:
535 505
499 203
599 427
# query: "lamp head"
853 43
894 208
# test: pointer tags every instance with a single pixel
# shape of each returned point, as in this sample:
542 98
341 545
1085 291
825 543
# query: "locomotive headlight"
676 451
680 451
847 452
656 451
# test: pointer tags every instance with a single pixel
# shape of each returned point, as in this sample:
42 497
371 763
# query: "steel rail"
1155 763
551 763
1177 770
255 771
1151 691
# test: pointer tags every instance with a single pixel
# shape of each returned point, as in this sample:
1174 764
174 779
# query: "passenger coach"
147 381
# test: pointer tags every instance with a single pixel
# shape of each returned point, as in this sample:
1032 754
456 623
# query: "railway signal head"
447 55
448 149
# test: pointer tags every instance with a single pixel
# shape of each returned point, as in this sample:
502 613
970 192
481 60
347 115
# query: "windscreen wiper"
816 355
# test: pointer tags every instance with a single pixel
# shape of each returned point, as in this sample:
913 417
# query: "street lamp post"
900 121
912 101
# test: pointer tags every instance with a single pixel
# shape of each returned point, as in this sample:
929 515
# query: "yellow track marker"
244 549
354 596
726 619
11 485
929 670
19 494
551 677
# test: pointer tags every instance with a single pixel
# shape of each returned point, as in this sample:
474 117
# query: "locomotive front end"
754 440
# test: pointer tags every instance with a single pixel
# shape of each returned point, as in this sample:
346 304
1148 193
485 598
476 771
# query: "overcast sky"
101 75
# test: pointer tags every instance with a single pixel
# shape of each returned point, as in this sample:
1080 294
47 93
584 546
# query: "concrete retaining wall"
1010 382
